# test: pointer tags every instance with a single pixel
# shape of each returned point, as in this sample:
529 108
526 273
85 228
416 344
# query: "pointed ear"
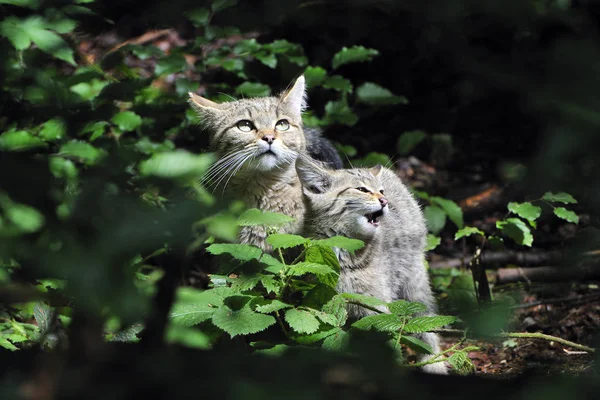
376 170
204 105
295 98
314 178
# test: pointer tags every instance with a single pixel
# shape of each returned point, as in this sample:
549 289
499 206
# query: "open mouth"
372 218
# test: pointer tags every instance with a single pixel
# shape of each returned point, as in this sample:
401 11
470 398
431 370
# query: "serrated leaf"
53 129
43 316
315 76
339 83
337 307
301 321
362 299
467 231
270 284
373 94
406 308
48 41
170 64
336 341
285 240
560 197
380 322
323 316
452 209
435 218
193 306
322 255
416 344
274 266
19 140
527 211
12 29
253 89
341 242
516 230
567 215
409 140
178 164
82 151
256 217
272 306
127 121
427 323
432 242
310 268
241 322
461 363
242 252
245 282
352 55
313 337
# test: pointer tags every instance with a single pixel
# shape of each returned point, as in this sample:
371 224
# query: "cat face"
348 202
255 135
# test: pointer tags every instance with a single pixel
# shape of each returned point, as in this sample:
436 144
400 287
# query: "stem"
281 325
365 306
549 338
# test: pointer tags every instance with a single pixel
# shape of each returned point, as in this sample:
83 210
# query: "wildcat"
258 140
372 205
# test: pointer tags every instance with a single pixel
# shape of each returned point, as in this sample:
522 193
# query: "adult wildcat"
372 205
258 140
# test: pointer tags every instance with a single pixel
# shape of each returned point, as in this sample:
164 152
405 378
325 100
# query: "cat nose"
269 138
383 201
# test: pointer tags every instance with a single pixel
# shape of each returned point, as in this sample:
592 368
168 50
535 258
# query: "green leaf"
516 230
336 307
12 28
467 231
19 140
241 322
304 267
256 217
435 218
452 210
53 129
322 255
406 308
427 323
187 337
272 306
301 321
268 59
380 322
253 89
144 52
285 241
363 300
26 219
82 151
7 345
409 140
560 197
339 112
178 164
527 211
416 344
22 3
242 252
313 337
127 121
373 94
352 55
565 214
198 16
339 83
315 76
220 5
89 90
461 363
341 242
48 41
324 317
170 64
337 341
432 242
193 306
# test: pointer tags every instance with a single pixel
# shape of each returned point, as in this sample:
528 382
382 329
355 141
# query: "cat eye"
282 125
245 125
363 189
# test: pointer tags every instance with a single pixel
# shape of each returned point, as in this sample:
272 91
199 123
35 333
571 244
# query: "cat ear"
376 170
204 105
295 98
314 178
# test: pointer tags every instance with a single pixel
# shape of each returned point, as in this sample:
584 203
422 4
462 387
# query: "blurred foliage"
102 213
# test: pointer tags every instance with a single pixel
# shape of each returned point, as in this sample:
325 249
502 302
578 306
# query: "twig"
550 338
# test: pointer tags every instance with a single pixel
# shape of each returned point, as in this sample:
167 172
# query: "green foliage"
352 55
371 93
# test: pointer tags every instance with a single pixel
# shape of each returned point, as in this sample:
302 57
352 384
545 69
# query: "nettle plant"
290 299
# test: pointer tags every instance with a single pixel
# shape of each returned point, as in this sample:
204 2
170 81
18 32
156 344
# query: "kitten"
258 140
372 205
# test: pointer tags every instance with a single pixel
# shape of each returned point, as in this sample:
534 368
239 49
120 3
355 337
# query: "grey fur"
321 149
391 265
